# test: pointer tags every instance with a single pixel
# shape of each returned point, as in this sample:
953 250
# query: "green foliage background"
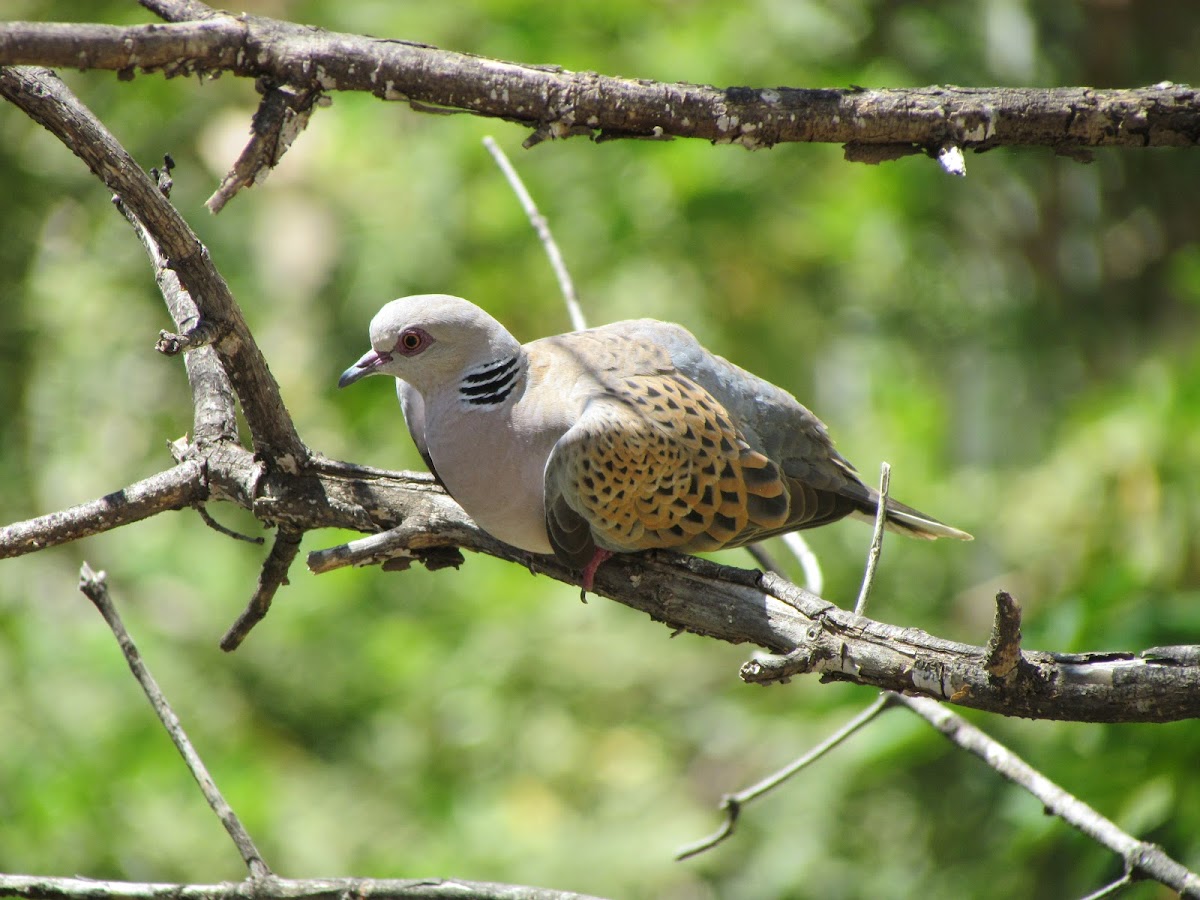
1020 345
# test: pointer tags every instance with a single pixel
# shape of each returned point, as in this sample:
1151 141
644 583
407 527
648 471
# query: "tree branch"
214 417
36 887
95 588
1140 857
282 114
273 575
43 97
690 594
873 124
735 605
173 489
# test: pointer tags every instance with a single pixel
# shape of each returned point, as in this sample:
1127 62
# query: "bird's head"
429 340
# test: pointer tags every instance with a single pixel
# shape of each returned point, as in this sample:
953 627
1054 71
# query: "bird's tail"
906 520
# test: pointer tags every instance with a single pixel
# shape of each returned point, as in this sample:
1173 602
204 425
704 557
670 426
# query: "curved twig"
565 284
732 803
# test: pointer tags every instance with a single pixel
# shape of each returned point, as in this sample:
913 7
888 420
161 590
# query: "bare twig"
732 803
216 526
37 887
1112 888
1141 858
94 586
554 103
173 489
864 593
274 573
542 227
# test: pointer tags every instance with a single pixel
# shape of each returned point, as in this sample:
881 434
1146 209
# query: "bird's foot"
589 571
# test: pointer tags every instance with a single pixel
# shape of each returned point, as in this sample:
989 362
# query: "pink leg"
589 571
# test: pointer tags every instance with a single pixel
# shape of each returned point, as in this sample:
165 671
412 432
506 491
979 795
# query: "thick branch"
46 100
874 124
734 605
35 887
172 489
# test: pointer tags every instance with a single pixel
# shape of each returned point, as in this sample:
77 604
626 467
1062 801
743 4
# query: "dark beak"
368 365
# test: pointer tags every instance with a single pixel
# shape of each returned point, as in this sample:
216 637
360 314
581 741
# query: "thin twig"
274 573
216 526
1141 857
814 577
1112 888
94 586
578 322
733 803
864 593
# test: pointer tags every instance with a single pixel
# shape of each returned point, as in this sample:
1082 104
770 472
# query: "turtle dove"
616 439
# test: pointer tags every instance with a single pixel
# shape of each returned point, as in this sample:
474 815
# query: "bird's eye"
412 341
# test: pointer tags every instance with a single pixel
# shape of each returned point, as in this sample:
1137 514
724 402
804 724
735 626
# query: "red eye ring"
413 340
